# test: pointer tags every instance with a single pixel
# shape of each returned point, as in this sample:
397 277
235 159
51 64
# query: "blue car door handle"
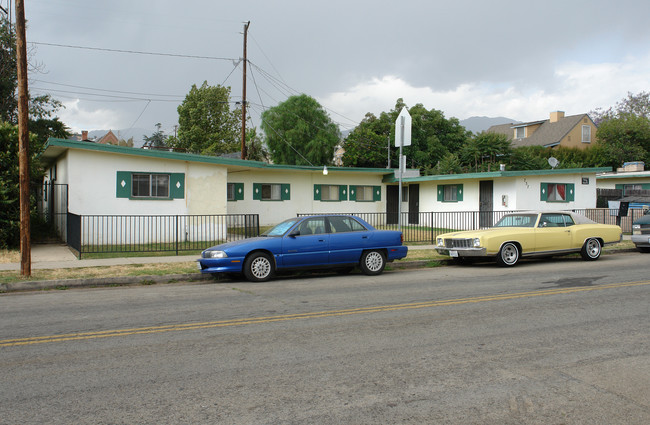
364 237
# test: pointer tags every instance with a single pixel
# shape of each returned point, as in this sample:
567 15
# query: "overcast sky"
519 59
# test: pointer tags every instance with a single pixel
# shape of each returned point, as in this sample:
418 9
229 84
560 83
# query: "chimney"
557 116
84 135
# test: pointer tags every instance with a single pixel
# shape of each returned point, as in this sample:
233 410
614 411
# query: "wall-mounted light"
325 170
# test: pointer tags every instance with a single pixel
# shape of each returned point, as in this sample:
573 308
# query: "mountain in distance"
478 124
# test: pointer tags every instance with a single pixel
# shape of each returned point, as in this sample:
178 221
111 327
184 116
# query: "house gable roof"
548 134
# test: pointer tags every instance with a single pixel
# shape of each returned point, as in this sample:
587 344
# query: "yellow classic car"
531 233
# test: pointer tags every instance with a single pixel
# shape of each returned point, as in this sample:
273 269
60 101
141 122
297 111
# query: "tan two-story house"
574 131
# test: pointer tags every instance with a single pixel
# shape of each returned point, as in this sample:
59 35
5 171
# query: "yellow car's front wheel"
508 255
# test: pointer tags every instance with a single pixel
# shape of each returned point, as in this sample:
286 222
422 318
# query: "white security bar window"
150 186
271 192
329 192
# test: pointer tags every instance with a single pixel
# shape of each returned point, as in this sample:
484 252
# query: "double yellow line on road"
299 316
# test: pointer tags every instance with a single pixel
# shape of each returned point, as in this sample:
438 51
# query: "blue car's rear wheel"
258 267
372 262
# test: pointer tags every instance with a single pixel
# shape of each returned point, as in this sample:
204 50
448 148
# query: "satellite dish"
553 162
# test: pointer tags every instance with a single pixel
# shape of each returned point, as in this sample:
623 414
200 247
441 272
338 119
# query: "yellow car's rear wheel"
591 250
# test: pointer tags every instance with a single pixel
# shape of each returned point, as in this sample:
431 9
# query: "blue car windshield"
281 229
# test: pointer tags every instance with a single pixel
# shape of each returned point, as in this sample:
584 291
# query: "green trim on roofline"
496 174
53 143
631 175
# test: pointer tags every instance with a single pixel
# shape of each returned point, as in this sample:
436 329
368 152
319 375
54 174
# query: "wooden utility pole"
243 97
23 141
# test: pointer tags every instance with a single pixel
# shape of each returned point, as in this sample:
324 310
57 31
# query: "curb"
43 285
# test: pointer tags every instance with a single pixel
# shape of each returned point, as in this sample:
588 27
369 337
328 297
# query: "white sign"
403 128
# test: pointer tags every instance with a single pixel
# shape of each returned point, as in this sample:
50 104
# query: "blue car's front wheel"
372 262
258 267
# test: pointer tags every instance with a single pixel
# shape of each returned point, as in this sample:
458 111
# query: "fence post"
176 235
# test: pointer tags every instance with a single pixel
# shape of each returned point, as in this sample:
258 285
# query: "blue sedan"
314 242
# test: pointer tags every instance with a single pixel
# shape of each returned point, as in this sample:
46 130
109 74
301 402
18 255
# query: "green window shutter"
645 186
257 191
317 192
286 192
543 191
343 193
441 193
239 191
459 193
353 193
376 193
570 192
177 185
123 186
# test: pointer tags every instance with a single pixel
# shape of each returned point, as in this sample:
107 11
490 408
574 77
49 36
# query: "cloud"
80 118
575 88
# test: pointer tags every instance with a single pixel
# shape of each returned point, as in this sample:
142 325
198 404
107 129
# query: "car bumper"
220 265
641 240
463 252
396 252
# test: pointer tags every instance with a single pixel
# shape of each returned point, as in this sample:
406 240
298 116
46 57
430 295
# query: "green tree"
255 149
367 144
486 150
9 182
207 125
8 74
529 158
432 137
450 163
298 131
42 109
157 138
625 138
635 104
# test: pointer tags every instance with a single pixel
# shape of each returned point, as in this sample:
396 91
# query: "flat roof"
56 147
499 174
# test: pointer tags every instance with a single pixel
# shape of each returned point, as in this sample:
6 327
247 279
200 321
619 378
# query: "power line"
135 52
105 90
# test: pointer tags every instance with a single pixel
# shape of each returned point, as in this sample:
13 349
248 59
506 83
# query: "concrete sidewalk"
59 256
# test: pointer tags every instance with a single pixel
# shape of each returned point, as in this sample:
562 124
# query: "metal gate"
53 206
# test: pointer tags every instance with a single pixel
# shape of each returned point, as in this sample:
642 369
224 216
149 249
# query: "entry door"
486 194
392 204
414 204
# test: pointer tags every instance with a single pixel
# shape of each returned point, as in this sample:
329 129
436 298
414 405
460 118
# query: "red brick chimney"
84 135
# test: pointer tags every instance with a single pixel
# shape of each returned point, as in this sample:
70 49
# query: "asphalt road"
547 342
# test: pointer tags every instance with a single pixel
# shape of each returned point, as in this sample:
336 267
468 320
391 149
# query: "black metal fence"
53 206
424 227
181 233
156 233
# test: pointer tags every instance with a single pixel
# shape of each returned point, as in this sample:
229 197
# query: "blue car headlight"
214 254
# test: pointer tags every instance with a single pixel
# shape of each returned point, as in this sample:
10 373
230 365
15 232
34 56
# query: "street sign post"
402 138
